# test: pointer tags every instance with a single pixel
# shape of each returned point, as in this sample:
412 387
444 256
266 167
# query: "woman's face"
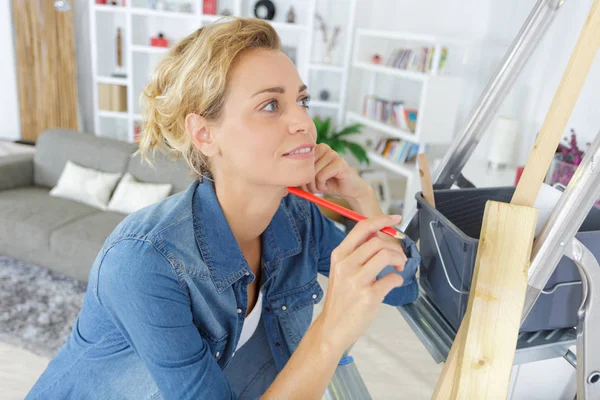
265 135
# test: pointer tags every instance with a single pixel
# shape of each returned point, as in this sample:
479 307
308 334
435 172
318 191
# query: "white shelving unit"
435 94
138 23
327 75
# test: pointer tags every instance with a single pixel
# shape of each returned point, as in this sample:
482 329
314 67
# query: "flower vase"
327 58
560 172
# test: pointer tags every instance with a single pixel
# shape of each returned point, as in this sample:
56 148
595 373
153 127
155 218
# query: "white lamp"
504 131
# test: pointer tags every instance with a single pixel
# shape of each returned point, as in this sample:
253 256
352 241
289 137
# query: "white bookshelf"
335 75
434 93
138 23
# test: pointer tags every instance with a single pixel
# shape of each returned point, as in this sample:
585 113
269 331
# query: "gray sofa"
61 234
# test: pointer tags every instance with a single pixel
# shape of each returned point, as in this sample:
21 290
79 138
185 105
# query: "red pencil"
341 210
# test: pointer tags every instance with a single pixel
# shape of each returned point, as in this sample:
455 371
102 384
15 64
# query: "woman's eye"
304 102
271 106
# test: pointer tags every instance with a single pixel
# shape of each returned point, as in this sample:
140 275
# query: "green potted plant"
337 140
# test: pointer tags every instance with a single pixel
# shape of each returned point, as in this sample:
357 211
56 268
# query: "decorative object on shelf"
152 4
505 132
62 5
112 97
264 9
101 2
226 12
159 41
209 7
120 70
390 112
337 140
185 8
417 59
291 15
291 52
329 44
172 6
379 182
324 94
376 59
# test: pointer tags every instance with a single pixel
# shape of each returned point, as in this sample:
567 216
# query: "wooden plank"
562 105
445 383
498 290
426 184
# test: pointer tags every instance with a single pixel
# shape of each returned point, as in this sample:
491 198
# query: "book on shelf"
419 59
390 112
397 150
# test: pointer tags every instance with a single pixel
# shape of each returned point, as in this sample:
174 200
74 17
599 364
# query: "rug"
37 306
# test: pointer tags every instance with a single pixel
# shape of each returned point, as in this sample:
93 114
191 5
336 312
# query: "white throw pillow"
85 185
131 195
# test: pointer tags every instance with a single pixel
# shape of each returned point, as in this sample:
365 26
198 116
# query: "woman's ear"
198 127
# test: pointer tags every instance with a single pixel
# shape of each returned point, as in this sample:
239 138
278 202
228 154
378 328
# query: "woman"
209 294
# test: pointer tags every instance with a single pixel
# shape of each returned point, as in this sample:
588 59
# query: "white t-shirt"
251 322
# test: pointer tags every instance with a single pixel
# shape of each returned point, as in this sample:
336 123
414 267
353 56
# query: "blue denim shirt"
167 297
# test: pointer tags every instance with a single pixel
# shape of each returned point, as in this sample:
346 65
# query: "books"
397 150
418 59
389 112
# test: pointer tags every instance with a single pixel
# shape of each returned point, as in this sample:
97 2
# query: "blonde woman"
209 294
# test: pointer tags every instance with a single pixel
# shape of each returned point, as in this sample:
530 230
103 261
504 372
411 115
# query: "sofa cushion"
56 146
164 170
82 240
29 215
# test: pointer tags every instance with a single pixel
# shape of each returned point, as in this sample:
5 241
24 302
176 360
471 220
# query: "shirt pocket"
294 309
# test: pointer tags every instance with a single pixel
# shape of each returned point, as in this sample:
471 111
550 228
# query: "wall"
10 127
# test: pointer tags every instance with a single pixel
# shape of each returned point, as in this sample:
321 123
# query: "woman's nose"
301 124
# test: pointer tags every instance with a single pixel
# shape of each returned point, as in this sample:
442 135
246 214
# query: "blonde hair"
192 78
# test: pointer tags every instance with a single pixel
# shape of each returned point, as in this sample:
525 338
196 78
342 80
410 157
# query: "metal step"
436 334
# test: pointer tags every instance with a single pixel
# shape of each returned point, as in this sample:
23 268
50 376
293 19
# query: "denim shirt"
167 297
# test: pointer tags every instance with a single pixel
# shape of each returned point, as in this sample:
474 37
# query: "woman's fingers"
379 261
385 285
374 245
360 233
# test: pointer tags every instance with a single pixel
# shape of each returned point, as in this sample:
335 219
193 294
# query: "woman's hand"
354 294
334 177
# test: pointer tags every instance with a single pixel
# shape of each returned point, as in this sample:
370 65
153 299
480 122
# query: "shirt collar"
219 249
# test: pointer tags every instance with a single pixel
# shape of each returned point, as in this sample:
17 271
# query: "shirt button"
233 354
218 354
314 296
247 273
239 310
277 344
283 308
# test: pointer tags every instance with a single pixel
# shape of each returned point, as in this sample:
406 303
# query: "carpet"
37 306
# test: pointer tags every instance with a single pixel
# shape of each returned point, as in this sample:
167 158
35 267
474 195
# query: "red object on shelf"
210 7
519 173
159 41
100 1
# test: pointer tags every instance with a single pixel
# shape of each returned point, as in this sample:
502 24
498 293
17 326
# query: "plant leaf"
357 151
337 145
326 126
350 130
